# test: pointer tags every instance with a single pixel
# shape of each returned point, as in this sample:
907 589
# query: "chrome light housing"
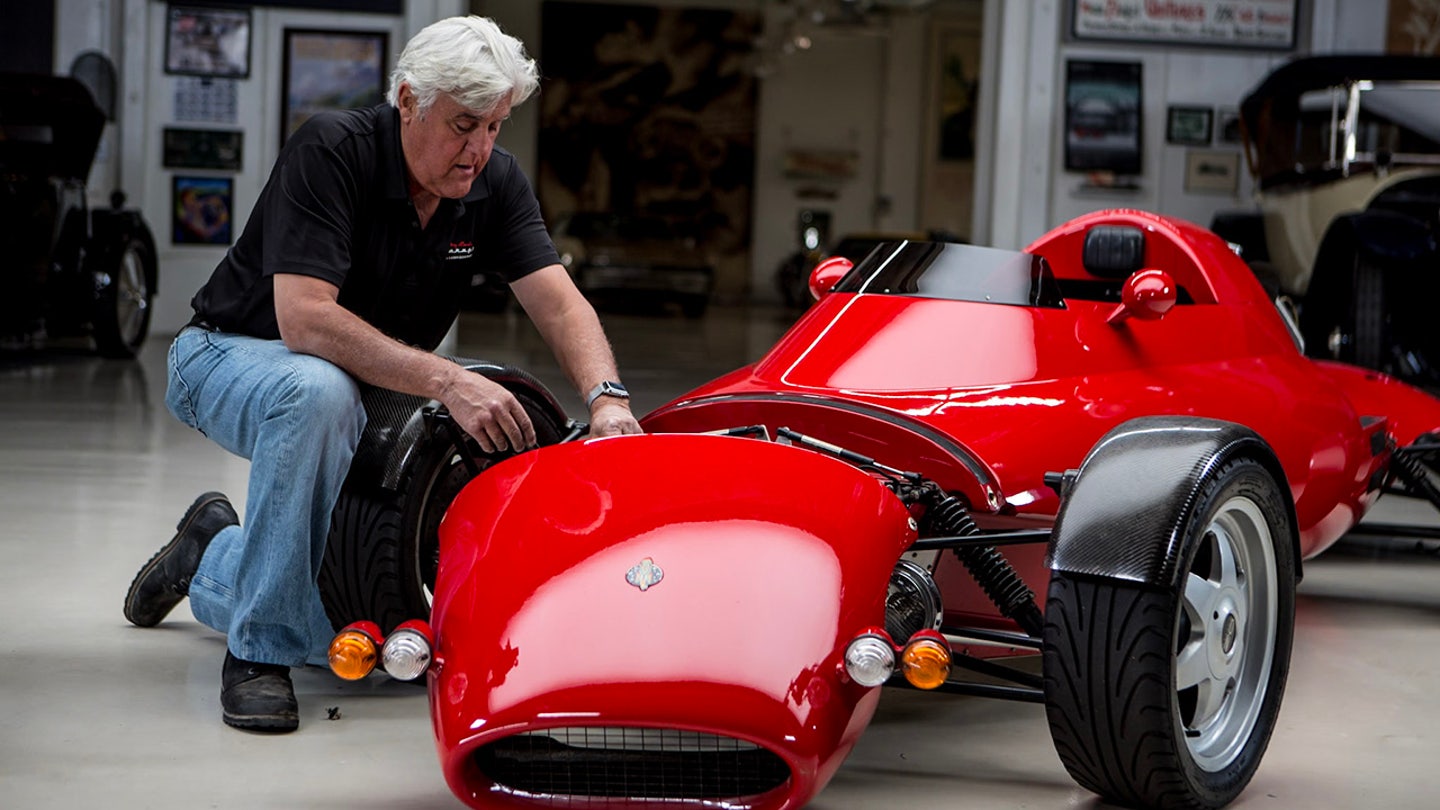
913 601
870 659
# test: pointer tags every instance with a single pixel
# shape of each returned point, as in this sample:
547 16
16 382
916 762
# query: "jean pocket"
178 399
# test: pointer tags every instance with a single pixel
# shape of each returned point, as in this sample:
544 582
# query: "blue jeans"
298 419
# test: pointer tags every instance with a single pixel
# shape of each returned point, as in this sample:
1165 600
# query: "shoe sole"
180 528
262 722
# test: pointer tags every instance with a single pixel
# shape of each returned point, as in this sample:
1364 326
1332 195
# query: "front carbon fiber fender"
1124 514
396 429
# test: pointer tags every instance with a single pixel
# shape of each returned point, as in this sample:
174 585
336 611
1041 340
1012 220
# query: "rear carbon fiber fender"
1123 514
396 428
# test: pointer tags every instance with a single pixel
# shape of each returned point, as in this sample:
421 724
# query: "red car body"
549 613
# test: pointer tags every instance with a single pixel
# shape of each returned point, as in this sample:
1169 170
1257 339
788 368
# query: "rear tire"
383 548
1345 318
1167 699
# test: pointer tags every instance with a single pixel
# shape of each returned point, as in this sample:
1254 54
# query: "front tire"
123 298
1164 698
383 549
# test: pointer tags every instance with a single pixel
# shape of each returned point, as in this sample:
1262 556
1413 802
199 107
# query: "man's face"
447 145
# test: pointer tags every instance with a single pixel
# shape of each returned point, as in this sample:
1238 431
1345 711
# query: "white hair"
469 59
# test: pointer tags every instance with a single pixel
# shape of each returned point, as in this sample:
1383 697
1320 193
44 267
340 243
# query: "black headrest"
1114 251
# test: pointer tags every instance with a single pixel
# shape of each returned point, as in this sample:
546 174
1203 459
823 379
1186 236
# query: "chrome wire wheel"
132 297
1226 634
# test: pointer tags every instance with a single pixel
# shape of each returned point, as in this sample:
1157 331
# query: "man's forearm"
334 333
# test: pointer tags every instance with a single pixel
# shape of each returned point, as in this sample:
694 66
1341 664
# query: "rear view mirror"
827 274
1147 295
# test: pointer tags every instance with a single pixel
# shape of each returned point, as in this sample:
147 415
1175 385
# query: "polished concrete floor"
96 713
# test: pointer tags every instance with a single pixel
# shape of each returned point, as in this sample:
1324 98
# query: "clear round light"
406 654
869 660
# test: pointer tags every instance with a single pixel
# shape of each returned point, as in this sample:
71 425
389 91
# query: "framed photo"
1228 129
1102 117
330 70
202 210
1212 171
1188 126
203 149
207 41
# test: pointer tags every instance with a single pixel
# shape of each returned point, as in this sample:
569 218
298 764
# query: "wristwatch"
606 388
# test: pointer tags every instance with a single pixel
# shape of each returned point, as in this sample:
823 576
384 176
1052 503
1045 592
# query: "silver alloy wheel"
1226 634
132 297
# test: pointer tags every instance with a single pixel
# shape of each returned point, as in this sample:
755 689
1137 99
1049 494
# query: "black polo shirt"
337 207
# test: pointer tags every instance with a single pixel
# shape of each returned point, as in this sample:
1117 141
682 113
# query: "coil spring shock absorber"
1409 468
986 564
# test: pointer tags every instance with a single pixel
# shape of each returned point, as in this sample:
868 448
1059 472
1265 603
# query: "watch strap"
607 388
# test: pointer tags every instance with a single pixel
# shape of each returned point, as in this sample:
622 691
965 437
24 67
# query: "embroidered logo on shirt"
460 250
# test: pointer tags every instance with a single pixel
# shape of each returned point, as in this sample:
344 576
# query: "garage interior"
94 712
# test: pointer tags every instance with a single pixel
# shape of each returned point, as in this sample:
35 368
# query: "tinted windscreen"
956 272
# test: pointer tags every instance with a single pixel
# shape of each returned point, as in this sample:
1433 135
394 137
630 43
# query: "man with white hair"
345 271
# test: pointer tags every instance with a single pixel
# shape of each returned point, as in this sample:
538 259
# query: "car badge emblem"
460 250
645 575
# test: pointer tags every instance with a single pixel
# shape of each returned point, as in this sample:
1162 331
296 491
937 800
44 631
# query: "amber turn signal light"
926 660
355 650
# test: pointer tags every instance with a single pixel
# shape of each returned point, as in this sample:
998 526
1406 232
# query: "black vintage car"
66 270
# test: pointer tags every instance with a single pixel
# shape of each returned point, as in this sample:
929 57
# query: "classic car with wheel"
1105 454
68 269
1345 151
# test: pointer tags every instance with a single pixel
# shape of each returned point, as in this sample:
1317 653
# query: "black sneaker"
257 697
165 579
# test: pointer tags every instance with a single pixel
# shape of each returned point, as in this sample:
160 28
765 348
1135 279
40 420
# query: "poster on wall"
1102 117
201 210
650 112
207 41
1263 24
330 70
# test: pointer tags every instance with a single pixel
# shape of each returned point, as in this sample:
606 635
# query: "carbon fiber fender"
1124 512
396 429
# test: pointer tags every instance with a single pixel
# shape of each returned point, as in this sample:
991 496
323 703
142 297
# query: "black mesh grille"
630 763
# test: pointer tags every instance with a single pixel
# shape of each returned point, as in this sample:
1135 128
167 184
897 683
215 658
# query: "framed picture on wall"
330 70
202 210
202 149
1188 126
206 41
1212 171
1102 117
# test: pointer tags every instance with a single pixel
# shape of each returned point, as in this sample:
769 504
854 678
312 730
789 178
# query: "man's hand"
489 413
612 417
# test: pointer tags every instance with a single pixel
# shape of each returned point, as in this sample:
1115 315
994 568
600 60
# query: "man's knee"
322 392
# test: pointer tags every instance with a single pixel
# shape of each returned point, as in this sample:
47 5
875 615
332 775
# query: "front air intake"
630 763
